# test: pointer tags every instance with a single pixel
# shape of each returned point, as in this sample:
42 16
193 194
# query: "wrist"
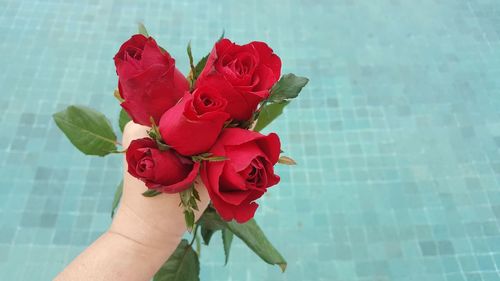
132 226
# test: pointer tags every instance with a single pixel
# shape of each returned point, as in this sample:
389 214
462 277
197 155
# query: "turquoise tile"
397 135
450 265
490 276
486 262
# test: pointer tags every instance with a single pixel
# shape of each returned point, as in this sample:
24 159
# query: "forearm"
130 250
139 241
116 257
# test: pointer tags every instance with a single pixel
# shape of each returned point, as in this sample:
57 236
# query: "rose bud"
234 184
192 126
243 74
165 171
147 79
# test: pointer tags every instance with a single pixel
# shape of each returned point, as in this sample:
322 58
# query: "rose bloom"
192 126
147 79
234 184
244 75
165 171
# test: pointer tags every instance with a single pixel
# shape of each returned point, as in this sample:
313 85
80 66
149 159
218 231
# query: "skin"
143 234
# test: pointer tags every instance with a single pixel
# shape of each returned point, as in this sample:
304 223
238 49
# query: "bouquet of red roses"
204 125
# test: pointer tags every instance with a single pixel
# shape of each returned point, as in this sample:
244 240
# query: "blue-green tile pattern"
397 135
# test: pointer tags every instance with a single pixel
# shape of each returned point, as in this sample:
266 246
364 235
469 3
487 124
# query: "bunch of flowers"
206 124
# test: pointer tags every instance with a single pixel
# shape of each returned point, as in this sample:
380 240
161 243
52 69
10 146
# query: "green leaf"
151 193
186 195
196 195
188 202
142 29
193 204
199 158
285 160
288 87
123 119
116 93
116 199
206 234
227 238
190 56
255 239
198 246
199 66
195 69
183 265
189 218
216 158
87 129
268 113
222 35
210 222
249 232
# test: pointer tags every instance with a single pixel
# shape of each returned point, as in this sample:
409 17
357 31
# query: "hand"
144 233
154 221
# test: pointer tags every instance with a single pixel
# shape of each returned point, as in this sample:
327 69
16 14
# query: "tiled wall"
397 135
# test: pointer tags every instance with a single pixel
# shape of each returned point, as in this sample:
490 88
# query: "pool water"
397 135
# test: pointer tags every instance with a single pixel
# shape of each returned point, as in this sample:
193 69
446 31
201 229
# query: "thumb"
133 131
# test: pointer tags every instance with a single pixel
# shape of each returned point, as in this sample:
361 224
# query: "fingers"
155 208
133 131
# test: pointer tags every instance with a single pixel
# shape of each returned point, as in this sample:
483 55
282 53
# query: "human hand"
153 221
144 232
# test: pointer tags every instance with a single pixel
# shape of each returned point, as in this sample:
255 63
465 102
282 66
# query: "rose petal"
268 58
200 97
137 41
266 76
231 179
223 45
236 136
271 146
188 133
242 155
237 104
245 212
146 97
223 209
169 168
210 175
184 184
135 152
152 54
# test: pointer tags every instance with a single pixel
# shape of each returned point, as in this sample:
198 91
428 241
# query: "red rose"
192 126
148 80
243 74
235 183
165 171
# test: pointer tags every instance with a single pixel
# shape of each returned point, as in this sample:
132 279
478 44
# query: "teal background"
397 135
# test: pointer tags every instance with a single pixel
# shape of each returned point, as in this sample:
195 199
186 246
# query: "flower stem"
198 246
195 233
